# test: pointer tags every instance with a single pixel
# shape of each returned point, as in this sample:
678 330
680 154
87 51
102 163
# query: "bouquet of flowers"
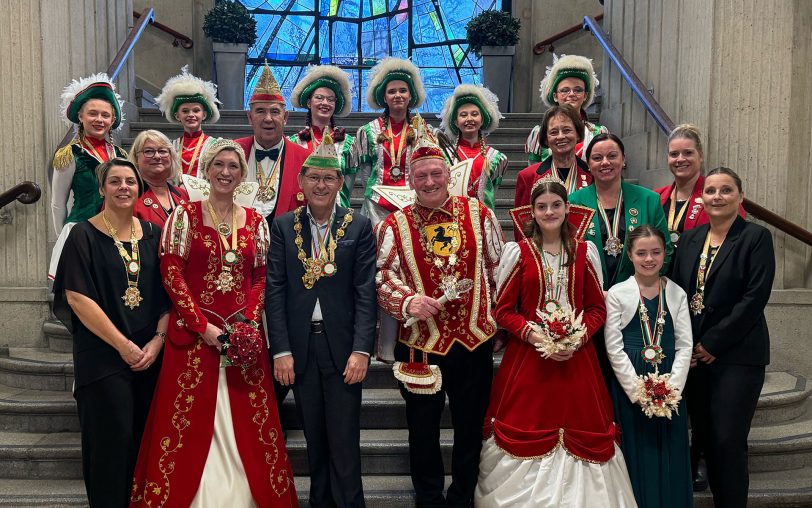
560 330
656 395
242 343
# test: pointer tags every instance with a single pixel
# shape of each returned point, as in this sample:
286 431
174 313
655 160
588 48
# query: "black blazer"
732 327
348 299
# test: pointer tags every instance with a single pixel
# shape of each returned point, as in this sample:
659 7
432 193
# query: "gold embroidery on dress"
279 475
559 444
154 493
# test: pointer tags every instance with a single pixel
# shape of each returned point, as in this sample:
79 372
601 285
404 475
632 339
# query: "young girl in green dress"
648 329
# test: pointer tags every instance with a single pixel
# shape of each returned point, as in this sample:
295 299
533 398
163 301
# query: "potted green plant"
493 35
232 30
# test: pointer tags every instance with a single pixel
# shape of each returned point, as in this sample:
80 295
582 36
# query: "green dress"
655 449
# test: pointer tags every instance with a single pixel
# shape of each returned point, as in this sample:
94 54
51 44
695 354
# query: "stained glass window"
355 34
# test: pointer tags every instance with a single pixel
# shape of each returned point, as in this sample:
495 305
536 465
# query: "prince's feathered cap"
79 91
328 76
393 69
426 146
569 66
185 88
267 89
481 97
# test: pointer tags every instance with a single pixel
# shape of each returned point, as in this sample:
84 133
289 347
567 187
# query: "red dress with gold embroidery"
538 404
179 430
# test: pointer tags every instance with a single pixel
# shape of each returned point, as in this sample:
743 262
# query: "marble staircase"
40 455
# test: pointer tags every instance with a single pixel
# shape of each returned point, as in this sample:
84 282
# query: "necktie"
261 154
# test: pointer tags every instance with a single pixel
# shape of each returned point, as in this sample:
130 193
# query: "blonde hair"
214 149
163 141
688 131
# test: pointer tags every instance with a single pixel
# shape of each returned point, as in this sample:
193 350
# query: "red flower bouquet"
242 344
560 330
657 396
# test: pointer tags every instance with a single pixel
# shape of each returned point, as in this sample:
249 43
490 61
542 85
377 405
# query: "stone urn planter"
497 73
229 72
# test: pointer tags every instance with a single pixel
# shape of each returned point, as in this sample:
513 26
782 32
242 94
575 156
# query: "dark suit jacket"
732 327
348 300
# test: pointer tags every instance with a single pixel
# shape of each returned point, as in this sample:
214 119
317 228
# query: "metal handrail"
24 192
183 40
667 125
119 60
541 47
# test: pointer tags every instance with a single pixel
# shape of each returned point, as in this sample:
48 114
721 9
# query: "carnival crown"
548 178
426 146
267 89
217 146
325 155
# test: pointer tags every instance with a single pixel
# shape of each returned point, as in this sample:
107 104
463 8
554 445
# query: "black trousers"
112 415
330 411
723 412
467 379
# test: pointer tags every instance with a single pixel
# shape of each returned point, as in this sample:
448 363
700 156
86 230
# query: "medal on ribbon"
613 246
652 352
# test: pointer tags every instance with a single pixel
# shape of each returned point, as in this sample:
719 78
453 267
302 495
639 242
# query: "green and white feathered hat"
79 91
393 69
185 88
328 76
480 96
569 66
325 155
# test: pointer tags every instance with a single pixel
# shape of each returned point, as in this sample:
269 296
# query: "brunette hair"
411 136
306 134
644 231
567 112
721 170
532 229
604 136
687 131
104 168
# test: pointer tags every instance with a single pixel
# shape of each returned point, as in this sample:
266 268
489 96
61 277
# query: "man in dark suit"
321 308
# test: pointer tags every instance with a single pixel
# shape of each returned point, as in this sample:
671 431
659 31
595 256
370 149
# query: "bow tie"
261 154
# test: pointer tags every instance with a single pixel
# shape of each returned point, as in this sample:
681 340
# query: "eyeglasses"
567 90
319 97
151 152
328 180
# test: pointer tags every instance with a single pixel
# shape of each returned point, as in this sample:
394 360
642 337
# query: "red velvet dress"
549 430
533 398
181 422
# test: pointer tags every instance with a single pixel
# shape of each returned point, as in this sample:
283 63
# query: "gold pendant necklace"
316 267
225 280
132 264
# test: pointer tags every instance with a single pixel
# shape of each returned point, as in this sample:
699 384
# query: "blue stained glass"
437 27
348 8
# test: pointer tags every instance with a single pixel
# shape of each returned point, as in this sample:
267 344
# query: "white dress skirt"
557 480
223 482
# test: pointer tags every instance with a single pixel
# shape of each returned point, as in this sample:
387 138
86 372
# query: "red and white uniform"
405 269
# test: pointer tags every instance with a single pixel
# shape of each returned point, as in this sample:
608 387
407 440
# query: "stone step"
767 490
783 397
37 368
40 435
355 119
59 338
58 456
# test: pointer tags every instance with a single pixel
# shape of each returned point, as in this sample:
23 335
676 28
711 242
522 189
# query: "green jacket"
647 210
